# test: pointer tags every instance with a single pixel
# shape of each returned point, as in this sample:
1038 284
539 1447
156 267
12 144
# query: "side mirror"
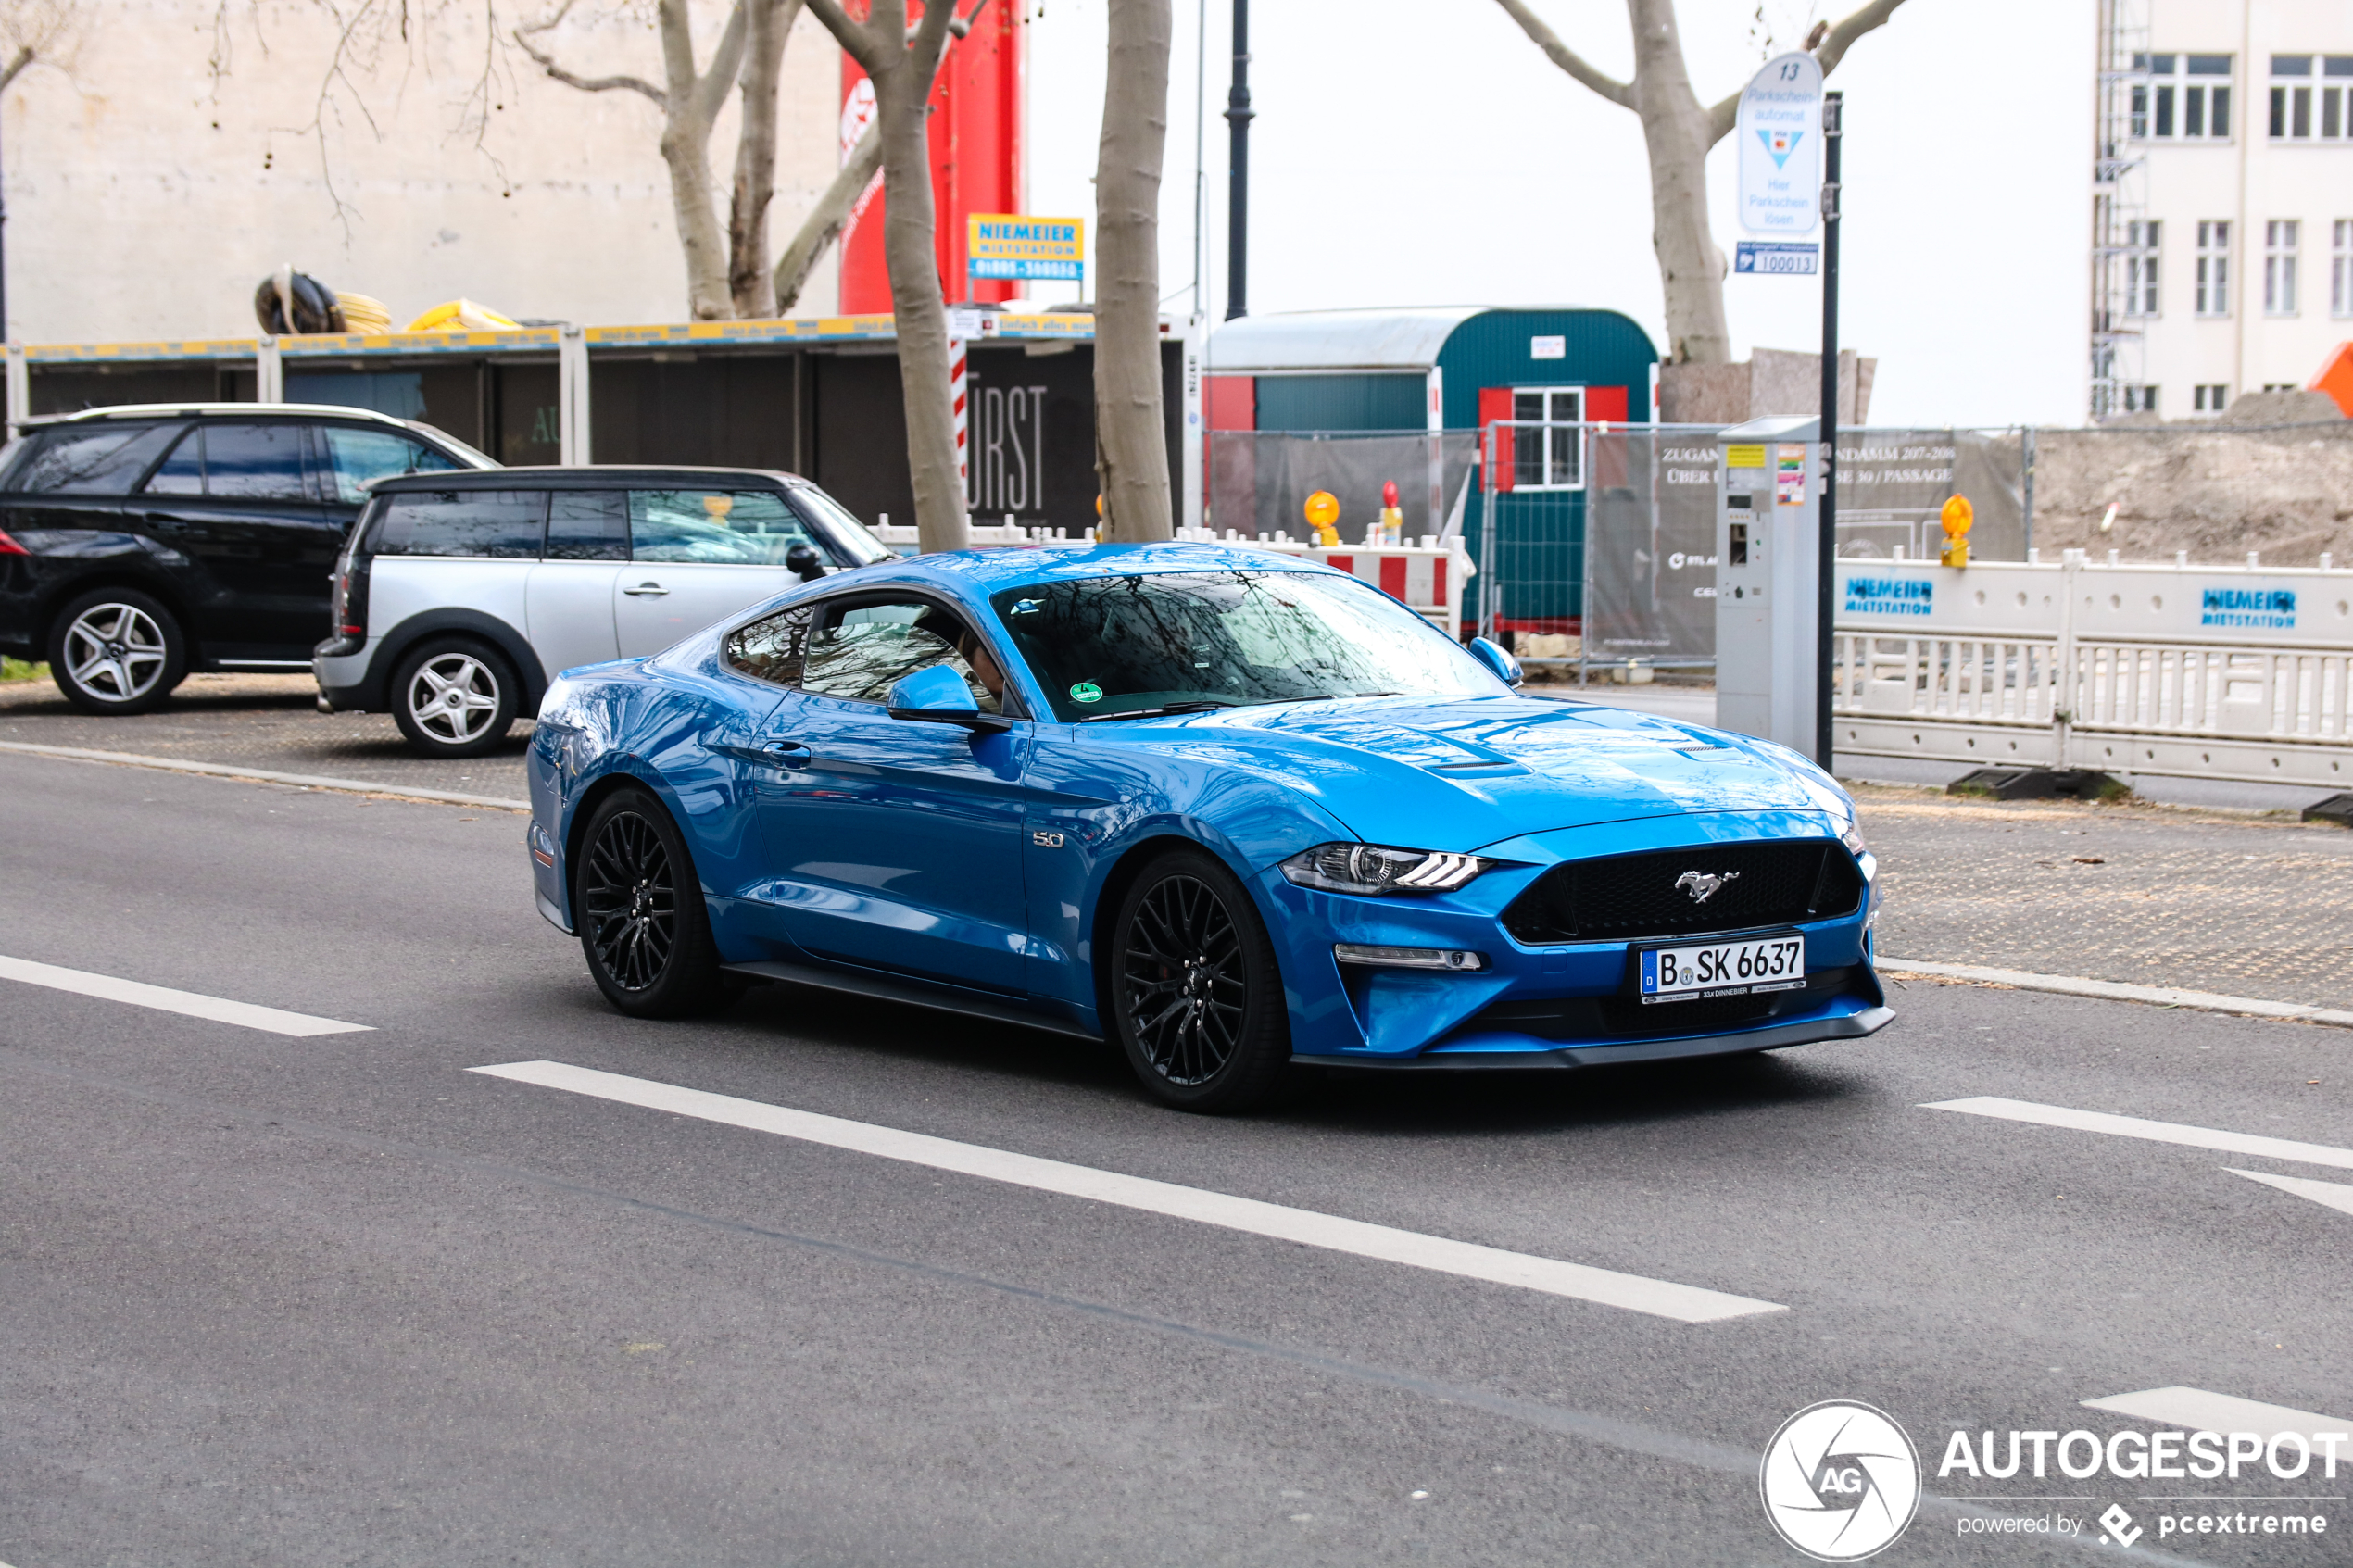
939 696
805 562
1497 658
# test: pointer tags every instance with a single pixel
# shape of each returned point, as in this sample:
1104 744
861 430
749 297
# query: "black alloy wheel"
639 912
1197 999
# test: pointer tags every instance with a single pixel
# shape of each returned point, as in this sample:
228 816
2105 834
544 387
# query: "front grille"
1588 1018
1627 897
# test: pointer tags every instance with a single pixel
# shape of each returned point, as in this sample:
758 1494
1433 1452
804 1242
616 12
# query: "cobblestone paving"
2250 907
2149 895
270 721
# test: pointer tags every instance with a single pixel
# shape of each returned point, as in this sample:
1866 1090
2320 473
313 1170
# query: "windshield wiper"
1196 707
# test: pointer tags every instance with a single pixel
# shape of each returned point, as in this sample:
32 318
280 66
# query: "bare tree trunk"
694 105
690 105
900 66
1678 132
749 281
1675 129
1131 439
825 221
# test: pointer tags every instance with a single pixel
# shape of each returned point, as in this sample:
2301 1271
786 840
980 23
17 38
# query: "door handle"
787 753
647 590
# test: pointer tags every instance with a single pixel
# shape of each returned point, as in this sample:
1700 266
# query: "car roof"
206 410
991 572
607 476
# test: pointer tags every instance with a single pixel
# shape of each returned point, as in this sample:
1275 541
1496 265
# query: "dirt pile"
2214 491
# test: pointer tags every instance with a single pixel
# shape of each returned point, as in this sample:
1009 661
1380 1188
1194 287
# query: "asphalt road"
337 1299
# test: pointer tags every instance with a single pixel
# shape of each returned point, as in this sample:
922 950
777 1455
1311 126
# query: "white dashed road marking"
194 1004
2154 1132
2195 1409
2336 1194
1683 1303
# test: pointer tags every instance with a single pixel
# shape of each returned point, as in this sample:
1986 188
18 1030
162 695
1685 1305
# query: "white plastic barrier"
2227 672
1427 575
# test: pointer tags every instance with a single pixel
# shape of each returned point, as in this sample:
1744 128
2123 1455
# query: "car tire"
1195 995
638 907
116 650
454 697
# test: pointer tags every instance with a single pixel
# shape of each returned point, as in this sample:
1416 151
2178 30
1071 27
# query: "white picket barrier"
2236 672
1427 575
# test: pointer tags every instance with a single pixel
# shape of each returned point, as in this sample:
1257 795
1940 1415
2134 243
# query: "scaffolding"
2120 206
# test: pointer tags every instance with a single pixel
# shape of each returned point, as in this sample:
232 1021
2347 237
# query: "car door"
66 497
572 592
234 499
892 844
351 457
696 557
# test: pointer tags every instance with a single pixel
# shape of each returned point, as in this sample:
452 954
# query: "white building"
179 150
2223 210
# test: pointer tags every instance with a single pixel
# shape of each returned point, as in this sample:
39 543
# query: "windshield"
834 518
1104 646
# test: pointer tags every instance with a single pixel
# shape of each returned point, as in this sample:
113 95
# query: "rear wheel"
639 912
1196 998
117 651
453 697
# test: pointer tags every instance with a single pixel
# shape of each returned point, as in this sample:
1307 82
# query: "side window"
504 524
104 459
772 648
254 462
589 525
859 652
714 527
358 457
181 472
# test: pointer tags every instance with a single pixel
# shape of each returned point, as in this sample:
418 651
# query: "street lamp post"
1238 115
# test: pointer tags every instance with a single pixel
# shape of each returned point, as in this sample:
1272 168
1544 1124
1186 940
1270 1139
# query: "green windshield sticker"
1086 691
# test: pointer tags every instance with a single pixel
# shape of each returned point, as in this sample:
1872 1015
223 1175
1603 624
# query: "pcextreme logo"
1839 1481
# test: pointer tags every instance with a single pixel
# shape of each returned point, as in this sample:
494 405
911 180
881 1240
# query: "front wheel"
1196 998
639 912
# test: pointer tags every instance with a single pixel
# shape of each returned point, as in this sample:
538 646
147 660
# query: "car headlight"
1852 836
1371 869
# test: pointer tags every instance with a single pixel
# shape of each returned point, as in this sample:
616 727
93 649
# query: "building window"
1546 459
2187 98
2138 400
2213 268
2211 397
2341 270
2294 98
2279 266
2140 267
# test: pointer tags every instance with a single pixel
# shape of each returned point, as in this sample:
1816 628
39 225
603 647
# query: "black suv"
140 543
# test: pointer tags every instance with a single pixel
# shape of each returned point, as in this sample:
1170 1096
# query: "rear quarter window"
97 460
501 524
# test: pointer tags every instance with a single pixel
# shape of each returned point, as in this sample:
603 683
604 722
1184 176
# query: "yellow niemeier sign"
1009 244
1743 457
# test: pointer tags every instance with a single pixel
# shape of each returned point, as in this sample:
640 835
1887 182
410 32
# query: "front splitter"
1854 1026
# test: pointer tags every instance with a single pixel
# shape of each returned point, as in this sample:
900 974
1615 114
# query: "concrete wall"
188 148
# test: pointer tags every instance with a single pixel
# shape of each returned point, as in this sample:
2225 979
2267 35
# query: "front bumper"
1563 1005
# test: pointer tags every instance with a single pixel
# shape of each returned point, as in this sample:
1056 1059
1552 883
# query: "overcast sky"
1418 152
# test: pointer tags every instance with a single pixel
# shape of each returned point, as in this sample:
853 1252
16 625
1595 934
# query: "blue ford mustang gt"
1231 810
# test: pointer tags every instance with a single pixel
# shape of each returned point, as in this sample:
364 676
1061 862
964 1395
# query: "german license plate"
1741 968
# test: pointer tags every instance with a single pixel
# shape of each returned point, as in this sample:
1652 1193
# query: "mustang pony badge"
1701 886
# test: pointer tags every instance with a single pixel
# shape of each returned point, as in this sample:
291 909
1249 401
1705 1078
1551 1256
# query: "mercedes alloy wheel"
117 651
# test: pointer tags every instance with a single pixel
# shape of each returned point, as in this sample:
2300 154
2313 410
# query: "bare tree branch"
1726 114
854 39
16 67
710 94
1618 93
1843 35
590 83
